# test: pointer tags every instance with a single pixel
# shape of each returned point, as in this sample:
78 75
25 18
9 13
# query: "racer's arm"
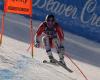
39 31
60 33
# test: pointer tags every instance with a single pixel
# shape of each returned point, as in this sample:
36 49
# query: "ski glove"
62 49
37 44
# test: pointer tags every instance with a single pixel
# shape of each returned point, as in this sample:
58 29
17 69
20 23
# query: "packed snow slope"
16 62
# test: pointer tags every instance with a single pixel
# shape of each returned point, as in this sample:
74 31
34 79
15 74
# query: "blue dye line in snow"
6 74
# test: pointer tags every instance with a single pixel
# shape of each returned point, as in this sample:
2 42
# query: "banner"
18 6
81 17
1 4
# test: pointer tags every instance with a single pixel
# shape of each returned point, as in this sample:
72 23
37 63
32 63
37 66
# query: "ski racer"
53 35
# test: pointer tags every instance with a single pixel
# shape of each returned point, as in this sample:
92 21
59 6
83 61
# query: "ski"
64 66
58 63
48 62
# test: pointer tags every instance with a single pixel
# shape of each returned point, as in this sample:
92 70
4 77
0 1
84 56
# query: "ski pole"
76 66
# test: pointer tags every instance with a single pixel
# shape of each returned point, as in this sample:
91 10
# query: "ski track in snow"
21 67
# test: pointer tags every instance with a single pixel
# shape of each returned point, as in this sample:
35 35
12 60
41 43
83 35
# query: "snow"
16 62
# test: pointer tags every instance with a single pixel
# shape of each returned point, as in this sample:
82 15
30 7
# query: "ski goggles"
50 20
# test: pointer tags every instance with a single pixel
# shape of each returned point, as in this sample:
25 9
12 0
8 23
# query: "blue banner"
1 4
81 17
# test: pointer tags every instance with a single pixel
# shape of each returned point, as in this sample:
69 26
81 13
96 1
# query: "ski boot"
62 62
52 60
